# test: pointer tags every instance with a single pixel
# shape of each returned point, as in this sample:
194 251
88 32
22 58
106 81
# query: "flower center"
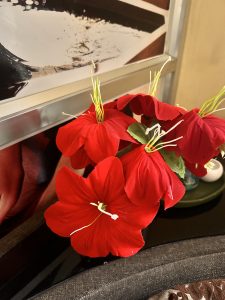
102 208
152 145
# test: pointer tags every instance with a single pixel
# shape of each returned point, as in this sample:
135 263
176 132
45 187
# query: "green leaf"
137 131
175 162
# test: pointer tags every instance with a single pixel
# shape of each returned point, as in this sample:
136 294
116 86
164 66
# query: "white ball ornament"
214 171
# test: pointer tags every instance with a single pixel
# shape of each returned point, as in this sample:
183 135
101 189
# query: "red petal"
117 124
108 236
100 143
71 136
63 218
110 105
149 179
174 189
107 180
140 187
196 169
142 104
93 240
80 159
124 100
164 111
218 125
150 106
125 240
200 141
72 188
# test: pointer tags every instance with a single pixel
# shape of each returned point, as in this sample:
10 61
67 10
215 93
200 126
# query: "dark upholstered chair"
147 273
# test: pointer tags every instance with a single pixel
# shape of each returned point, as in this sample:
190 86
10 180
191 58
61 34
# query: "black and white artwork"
47 43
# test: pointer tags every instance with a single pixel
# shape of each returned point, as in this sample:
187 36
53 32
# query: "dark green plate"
205 192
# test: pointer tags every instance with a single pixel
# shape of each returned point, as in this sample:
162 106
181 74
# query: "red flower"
86 140
196 169
149 106
202 137
149 179
94 232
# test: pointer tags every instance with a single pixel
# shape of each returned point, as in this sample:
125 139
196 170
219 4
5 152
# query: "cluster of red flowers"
107 211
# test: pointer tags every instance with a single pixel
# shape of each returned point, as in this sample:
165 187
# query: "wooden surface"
160 3
156 48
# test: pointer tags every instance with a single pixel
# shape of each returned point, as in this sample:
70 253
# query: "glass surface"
190 180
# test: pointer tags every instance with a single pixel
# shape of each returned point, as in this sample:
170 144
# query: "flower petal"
174 189
71 136
150 106
149 179
143 183
80 159
196 169
123 101
117 124
218 125
100 143
107 180
107 236
72 188
165 111
200 141
125 240
63 218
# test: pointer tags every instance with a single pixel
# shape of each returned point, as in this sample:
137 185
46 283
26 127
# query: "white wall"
201 65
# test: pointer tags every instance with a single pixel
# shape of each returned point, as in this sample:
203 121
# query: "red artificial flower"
77 214
197 169
86 140
150 107
202 137
149 179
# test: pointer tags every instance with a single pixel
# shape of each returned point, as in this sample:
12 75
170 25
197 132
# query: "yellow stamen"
210 106
152 145
97 100
153 85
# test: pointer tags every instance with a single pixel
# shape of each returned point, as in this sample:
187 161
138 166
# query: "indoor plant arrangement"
135 165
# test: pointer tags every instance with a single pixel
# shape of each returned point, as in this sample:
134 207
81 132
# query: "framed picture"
49 43
47 50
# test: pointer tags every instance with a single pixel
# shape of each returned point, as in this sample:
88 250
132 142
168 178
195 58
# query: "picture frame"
39 110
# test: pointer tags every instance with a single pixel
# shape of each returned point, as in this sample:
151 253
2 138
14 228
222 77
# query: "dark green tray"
205 192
